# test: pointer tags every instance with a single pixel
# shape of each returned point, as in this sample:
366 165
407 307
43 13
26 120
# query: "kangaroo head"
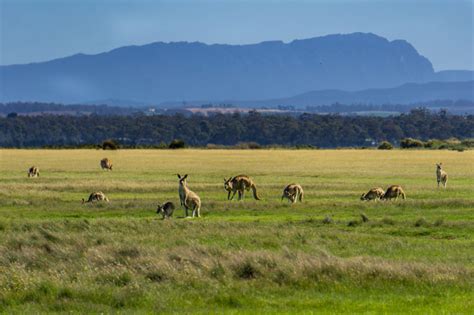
228 184
182 179
438 166
362 197
159 209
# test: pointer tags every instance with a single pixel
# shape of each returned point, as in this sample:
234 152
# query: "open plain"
411 256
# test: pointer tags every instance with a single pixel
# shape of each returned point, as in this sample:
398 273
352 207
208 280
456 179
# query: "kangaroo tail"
301 196
255 195
403 195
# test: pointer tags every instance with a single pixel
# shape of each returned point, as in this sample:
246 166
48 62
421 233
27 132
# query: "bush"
248 145
385 145
110 145
247 270
409 143
177 144
469 143
421 222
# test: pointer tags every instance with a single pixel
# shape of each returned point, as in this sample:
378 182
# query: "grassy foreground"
412 256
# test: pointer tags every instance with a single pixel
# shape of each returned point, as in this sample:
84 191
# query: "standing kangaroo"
240 183
106 164
33 172
293 192
441 175
190 199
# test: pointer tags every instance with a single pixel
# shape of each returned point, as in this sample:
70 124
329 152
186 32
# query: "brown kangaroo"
96 196
240 183
293 192
33 172
394 191
441 175
106 164
190 199
373 194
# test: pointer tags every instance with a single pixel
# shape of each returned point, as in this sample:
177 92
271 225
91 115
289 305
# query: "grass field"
413 256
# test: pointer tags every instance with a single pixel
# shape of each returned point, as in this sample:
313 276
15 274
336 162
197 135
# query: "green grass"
412 256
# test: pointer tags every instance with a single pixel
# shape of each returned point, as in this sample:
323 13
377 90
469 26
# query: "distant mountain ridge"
181 71
404 94
407 93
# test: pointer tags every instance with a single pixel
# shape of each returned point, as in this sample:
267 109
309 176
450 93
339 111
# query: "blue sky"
39 30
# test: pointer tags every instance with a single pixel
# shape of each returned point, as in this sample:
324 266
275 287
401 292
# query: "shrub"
156 276
110 145
246 270
385 145
248 145
177 144
327 220
129 252
421 222
469 143
353 223
409 143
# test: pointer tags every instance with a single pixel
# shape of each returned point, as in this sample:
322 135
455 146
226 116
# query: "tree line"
324 131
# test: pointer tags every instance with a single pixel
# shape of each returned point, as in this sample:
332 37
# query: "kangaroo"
293 192
96 196
373 194
394 191
166 210
240 183
33 172
106 164
181 192
441 175
190 199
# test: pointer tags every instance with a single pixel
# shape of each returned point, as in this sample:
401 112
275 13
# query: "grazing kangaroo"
373 194
394 191
441 175
293 192
33 172
190 199
240 183
106 164
166 210
96 196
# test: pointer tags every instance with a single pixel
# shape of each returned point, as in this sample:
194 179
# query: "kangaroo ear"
179 176
185 176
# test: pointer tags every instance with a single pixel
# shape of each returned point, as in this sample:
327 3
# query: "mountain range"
183 71
408 93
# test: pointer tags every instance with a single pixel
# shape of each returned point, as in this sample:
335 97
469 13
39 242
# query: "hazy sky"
38 30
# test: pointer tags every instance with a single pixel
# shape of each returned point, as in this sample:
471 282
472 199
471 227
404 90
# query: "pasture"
412 256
